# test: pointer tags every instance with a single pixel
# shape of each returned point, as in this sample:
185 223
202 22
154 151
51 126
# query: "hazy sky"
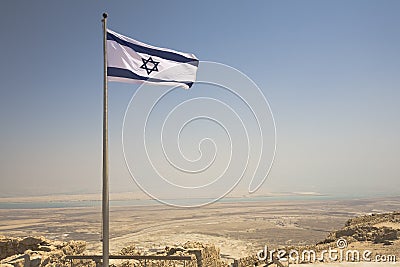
329 69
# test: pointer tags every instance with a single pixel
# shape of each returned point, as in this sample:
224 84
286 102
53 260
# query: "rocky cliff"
37 251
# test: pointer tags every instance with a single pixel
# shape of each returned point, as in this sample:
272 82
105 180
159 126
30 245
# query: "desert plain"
239 229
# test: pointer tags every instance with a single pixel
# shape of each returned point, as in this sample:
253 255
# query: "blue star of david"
149 70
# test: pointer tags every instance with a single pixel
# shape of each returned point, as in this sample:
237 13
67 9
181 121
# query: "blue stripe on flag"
154 52
124 73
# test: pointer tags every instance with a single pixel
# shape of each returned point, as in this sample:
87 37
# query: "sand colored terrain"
239 229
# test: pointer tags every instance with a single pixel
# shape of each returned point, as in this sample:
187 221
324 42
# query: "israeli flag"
129 61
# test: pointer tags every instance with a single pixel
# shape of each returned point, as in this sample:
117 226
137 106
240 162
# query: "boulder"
20 260
35 261
385 234
31 241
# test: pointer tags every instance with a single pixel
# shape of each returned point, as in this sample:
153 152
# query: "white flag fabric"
129 60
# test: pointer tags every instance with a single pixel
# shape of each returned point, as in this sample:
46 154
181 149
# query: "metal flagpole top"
105 15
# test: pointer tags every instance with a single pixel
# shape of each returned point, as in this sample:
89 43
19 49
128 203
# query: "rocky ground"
41 252
37 251
375 236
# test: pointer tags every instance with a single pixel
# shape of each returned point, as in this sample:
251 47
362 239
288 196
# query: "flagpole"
105 198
